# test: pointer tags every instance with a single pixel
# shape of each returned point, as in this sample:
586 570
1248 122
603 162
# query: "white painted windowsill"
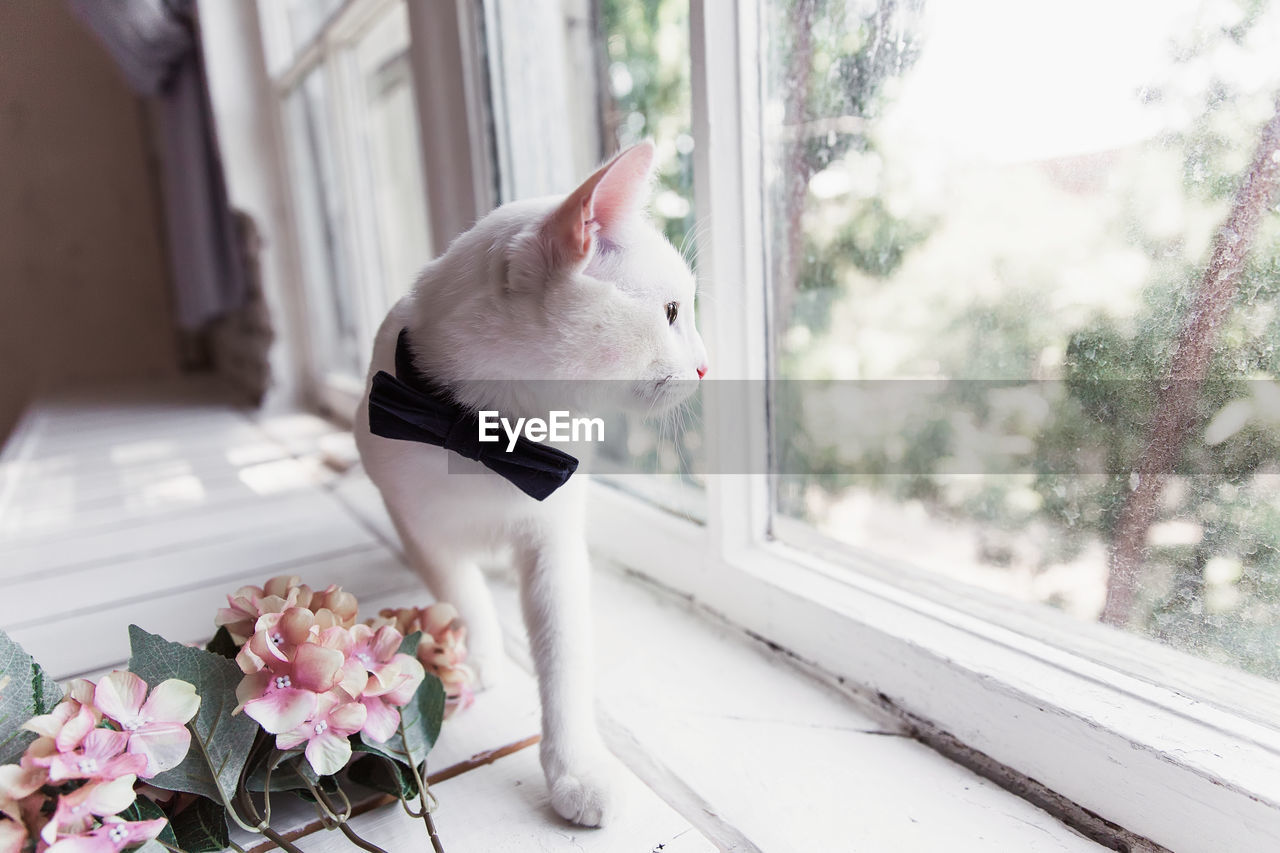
755 753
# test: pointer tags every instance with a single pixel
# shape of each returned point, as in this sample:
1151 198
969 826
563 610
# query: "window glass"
392 158
321 222
289 25
642 52
306 17
988 230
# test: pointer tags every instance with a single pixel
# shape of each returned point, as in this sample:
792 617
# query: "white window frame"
447 79
1132 748
1126 743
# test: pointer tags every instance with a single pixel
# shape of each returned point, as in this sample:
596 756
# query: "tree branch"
1174 413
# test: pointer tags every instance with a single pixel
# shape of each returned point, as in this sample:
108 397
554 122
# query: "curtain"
157 49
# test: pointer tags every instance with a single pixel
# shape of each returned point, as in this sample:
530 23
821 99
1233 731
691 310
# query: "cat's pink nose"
702 370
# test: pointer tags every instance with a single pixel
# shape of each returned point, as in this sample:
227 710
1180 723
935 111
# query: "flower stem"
431 830
280 841
421 782
357 840
340 818
328 817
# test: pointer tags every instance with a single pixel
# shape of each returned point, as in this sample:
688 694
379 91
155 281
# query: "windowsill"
752 751
1095 742
728 730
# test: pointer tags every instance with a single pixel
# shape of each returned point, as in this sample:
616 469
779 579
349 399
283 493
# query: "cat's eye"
673 310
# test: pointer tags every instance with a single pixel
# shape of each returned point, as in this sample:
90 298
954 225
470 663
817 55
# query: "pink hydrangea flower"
393 677
13 836
443 651
354 676
284 693
334 606
71 720
276 636
248 603
157 726
101 756
21 780
76 811
327 734
112 837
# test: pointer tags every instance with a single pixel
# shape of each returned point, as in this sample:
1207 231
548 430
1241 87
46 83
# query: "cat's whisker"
693 238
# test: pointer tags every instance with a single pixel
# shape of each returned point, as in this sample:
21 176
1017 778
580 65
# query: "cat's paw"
588 796
490 671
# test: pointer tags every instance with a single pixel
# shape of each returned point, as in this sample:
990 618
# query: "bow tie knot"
463 438
409 407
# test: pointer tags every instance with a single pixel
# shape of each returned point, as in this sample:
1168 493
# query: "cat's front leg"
583 777
455 578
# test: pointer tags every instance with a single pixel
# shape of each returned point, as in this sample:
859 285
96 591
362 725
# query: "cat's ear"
613 193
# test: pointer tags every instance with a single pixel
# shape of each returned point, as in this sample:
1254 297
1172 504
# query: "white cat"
575 288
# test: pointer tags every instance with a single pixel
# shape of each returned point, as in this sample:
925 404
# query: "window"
946 253
625 76
948 261
950 197
354 161
642 49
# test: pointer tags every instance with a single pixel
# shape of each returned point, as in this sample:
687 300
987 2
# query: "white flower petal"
172 701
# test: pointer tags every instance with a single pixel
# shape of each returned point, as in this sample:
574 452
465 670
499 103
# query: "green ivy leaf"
144 809
25 692
381 773
220 742
222 644
201 827
286 773
409 645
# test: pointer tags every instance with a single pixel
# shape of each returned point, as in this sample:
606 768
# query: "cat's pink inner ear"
603 200
571 225
624 186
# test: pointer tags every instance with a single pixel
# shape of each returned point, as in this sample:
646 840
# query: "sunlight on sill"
282 475
135 452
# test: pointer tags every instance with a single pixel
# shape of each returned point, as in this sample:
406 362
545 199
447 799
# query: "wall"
84 292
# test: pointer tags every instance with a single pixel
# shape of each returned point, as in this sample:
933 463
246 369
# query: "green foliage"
144 809
26 691
223 645
381 773
290 771
201 827
645 47
220 740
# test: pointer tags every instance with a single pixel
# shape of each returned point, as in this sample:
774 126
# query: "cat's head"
588 290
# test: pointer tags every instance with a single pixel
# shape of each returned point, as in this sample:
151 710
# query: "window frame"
1137 751
444 59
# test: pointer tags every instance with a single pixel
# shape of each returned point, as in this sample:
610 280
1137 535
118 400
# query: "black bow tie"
409 407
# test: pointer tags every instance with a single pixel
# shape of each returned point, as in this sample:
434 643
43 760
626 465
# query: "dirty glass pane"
1030 205
320 212
306 17
642 57
392 159
644 54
